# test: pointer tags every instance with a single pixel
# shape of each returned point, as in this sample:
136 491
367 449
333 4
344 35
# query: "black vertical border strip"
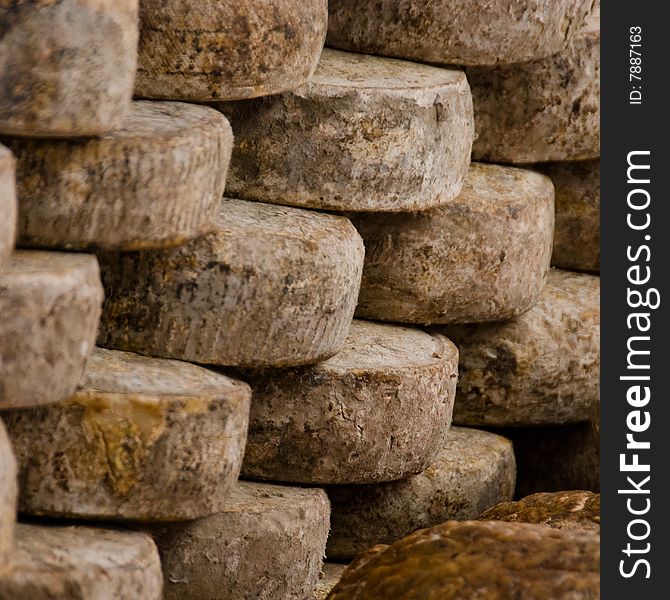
627 128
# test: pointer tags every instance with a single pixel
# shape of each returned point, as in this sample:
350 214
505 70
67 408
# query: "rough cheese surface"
270 286
67 66
363 134
142 438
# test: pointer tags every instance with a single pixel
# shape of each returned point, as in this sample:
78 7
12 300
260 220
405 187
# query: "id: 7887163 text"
635 65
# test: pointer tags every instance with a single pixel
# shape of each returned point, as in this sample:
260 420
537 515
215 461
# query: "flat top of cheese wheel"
161 119
362 71
378 346
245 218
35 262
111 371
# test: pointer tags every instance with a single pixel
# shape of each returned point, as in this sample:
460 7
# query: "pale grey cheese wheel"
142 438
66 66
156 181
86 563
542 368
49 313
363 134
266 544
376 411
482 257
544 110
475 32
270 286
8 497
7 205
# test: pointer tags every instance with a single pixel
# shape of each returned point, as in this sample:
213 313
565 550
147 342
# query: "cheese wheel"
542 368
363 134
157 181
543 110
49 313
477 32
62 563
473 471
142 438
67 66
267 543
482 257
572 509
227 50
271 286
376 411
485 559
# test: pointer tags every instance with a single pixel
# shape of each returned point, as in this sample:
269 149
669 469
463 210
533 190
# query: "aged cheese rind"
363 134
49 312
572 509
479 32
271 286
227 50
86 563
8 496
157 181
66 67
7 205
544 110
267 543
482 257
142 438
542 368
577 232
377 411
483 559
473 470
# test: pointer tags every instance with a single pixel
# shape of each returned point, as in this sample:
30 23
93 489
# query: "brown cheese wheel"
572 509
473 471
478 559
